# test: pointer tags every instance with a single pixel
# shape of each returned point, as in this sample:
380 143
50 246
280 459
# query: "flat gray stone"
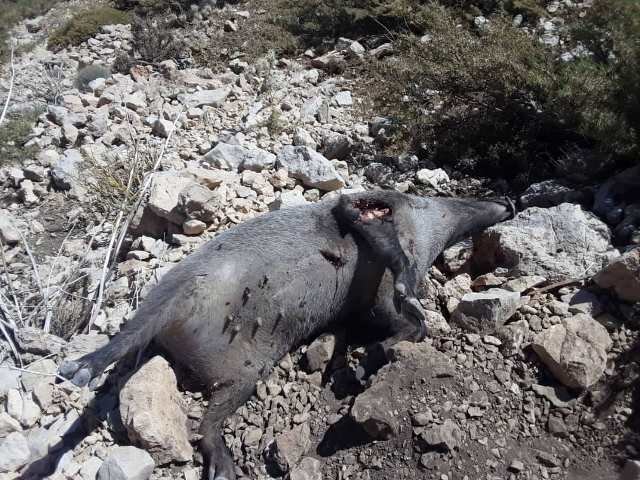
239 158
15 452
126 463
212 98
485 311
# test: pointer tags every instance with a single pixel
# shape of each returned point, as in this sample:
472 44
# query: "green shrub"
12 12
85 25
13 135
498 103
152 7
155 39
90 73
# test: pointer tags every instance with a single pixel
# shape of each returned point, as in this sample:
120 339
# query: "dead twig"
10 92
120 231
36 275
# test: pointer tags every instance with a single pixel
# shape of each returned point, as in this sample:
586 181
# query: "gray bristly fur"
233 308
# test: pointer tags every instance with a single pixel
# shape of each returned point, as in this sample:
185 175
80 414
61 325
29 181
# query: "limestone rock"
90 468
436 178
312 168
623 276
320 352
290 446
309 468
575 350
153 412
436 323
486 311
446 436
65 172
136 100
287 199
9 234
199 203
15 452
236 157
126 463
8 424
34 340
556 243
164 195
212 98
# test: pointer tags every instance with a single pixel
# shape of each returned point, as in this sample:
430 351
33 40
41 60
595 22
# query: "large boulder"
154 414
310 167
557 243
237 157
623 276
575 350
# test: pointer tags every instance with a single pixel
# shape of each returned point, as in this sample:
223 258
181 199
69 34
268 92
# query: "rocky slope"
532 327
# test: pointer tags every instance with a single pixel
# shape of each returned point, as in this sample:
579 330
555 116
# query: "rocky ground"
532 327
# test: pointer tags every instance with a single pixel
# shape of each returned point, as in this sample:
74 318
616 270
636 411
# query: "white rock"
89 469
126 463
164 195
287 199
8 424
136 100
302 138
320 352
15 452
309 468
193 227
9 234
575 350
436 178
623 276
486 311
343 99
212 98
556 243
153 412
312 168
65 173
236 157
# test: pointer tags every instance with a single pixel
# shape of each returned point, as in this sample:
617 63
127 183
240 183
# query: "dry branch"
11 81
